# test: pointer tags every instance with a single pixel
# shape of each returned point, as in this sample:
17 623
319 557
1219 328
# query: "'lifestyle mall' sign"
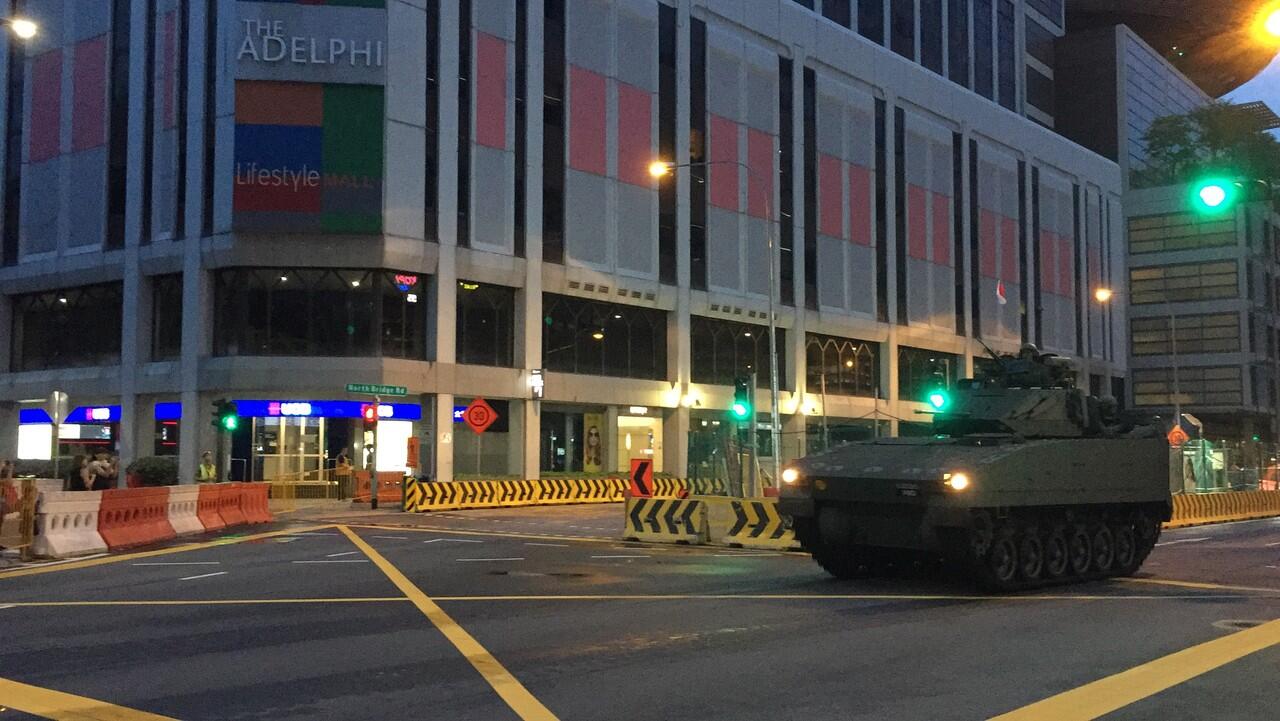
309 43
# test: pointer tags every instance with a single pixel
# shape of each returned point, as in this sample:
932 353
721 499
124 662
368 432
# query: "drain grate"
1236 625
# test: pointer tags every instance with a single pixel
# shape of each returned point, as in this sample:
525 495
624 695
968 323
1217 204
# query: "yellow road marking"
837 597
1115 692
197 602
89 562
500 534
511 690
64 706
1197 584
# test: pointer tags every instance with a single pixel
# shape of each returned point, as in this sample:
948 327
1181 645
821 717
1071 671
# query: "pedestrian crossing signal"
741 408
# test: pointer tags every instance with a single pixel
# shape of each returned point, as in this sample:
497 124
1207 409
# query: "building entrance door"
288 447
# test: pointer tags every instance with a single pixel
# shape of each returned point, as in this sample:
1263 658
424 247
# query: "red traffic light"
369 413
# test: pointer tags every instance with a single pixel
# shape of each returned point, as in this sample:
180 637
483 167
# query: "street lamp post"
658 169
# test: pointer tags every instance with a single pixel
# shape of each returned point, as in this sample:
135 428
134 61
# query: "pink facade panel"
988 222
917 236
45 125
830 199
587 121
723 151
860 205
635 135
1048 262
760 155
941 229
491 92
89 94
1066 267
1009 251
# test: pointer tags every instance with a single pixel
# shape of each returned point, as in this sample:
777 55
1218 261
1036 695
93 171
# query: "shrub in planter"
154 470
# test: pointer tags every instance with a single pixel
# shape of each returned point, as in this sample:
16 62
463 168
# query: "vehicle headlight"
790 475
956 481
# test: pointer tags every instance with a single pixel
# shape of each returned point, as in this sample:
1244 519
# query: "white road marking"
314 533
549 545
454 540
7 605
464 560
341 560
1277 543
344 553
621 556
394 538
204 575
1182 540
179 563
745 555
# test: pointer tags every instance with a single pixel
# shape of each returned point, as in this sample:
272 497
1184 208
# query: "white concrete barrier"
67 524
182 509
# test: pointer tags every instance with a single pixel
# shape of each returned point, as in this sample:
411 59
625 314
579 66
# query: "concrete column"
516 436
444 303
134 351
195 434
8 430
612 454
889 372
443 441
675 442
529 301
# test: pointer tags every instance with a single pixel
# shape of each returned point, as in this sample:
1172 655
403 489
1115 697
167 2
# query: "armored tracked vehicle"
1027 481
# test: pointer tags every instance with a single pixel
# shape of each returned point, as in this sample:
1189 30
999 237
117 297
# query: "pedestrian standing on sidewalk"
207 472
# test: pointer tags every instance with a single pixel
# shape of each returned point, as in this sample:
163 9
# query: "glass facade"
604 339
319 312
486 324
841 366
918 369
725 349
67 328
166 317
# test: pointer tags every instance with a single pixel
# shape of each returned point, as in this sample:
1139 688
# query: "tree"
1216 139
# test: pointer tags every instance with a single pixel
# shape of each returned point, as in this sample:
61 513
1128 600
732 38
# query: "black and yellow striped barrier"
666 519
748 522
1193 509
421 495
685 487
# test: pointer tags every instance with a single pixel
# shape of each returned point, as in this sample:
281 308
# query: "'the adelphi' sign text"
310 43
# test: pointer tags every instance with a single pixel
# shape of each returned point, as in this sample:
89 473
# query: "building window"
1179 231
1217 333
166 317
1185 282
902 27
957 226
464 123
842 367
1220 386
319 312
603 339
723 350
1040 43
553 106
1040 91
1050 9
975 243
983 45
67 328
148 121
697 154
838 11
521 129
117 123
431 159
667 142
919 369
183 32
486 324
1007 57
882 205
494 454
210 112
1023 270
786 183
931 35
1037 306
871 20
958 41
810 190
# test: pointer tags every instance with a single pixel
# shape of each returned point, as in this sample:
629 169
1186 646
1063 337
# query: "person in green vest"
207 472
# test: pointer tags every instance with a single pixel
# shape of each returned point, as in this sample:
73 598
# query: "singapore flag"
1000 296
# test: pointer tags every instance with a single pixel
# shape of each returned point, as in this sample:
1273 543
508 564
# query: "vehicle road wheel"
1126 550
1104 550
983 533
844 562
1002 563
1030 556
1079 550
1057 557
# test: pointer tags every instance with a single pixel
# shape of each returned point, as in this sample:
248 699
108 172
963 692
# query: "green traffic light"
230 422
938 399
740 410
1213 195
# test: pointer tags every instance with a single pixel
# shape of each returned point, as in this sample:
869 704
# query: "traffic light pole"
752 489
373 458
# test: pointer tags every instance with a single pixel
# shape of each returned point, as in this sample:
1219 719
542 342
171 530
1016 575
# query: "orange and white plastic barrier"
182 510
67 524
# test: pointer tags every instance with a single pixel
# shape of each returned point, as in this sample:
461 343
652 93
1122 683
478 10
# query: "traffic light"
741 408
369 417
225 416
1214 195
938 396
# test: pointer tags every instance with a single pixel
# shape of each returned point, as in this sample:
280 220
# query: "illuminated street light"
23 27
1272 23
658 168
1103 295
